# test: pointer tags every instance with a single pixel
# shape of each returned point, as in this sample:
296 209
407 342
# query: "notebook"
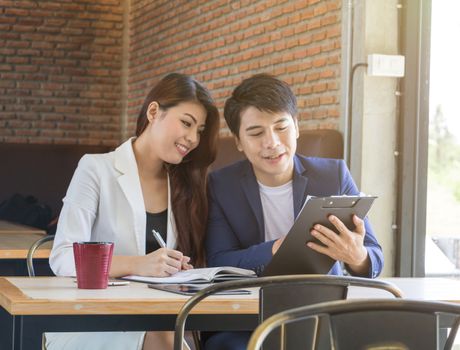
201 275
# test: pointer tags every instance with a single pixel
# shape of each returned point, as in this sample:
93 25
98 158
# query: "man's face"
269 141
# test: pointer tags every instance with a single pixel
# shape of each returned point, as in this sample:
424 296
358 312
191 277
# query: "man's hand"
276 245
347 246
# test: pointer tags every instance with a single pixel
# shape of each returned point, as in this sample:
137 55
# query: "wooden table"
12 227
16 239
32 306
427 288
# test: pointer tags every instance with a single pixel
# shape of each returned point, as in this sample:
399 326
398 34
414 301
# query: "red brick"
65 109
42 45
28 52
10 36
52 133
28 85
36 13
6 67
52 117
55 22
71 31
32 20
5 27
28 115
34 37
41 61
26 132
11 11
26 68
10 20
325 100
17 59
23 28
319 87
41 108
19 124
17 44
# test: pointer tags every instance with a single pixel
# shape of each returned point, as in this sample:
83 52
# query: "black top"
158 222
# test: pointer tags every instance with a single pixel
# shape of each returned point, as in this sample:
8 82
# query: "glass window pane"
443 196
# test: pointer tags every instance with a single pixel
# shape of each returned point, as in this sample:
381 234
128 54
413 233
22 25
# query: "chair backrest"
31 252
274 298
326 143
52 167
283 292
369 324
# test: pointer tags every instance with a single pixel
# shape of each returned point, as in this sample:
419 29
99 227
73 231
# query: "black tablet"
294 257
191 289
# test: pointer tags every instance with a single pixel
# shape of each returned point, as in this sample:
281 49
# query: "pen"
159 239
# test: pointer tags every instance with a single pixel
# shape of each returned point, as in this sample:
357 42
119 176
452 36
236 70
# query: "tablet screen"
191 289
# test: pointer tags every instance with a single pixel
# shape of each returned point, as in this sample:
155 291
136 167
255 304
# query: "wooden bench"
45 171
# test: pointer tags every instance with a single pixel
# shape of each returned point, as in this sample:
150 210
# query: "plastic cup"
92 262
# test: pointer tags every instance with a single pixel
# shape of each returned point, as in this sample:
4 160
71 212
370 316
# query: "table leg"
6 329
28 329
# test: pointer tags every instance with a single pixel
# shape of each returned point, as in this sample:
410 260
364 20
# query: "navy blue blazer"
235 234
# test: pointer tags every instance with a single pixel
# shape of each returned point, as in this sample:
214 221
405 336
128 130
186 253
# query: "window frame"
413 139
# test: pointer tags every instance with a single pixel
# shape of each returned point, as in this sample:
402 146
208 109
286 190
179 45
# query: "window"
442 250
429 184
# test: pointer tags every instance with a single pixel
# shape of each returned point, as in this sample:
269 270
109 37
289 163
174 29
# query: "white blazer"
104 202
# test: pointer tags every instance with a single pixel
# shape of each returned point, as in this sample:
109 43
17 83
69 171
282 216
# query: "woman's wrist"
124 265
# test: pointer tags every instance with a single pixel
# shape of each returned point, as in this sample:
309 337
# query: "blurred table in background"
15 241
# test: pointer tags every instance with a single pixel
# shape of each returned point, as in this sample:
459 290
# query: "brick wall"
60 66
61 60
221 42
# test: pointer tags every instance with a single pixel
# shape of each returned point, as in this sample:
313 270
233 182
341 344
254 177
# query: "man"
253 203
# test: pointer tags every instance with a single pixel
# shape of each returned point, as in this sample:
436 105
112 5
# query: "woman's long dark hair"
188 178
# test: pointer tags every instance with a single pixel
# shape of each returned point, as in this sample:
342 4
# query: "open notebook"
202 275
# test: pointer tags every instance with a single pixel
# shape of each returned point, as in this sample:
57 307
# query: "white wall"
374 118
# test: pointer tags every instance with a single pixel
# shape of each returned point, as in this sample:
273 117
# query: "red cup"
92 262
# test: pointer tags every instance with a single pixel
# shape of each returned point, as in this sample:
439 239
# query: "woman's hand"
185 263
162 262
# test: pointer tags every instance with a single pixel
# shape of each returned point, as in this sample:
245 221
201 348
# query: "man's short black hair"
262 91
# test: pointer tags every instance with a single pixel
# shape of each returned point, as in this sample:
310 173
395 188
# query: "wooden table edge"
42 253
17 303
12 227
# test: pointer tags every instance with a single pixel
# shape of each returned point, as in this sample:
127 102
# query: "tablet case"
192 289
294 257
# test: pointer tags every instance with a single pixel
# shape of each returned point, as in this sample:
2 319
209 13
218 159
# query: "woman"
153 181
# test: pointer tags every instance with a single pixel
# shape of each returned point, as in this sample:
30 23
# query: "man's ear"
296 125
153 111
238 143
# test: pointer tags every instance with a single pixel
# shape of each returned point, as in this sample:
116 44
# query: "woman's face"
175 132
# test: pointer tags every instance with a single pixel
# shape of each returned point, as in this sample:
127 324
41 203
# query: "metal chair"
31 271
30 263
31 252
369 324
279 293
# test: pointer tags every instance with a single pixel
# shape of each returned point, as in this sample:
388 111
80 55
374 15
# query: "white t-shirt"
278 209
